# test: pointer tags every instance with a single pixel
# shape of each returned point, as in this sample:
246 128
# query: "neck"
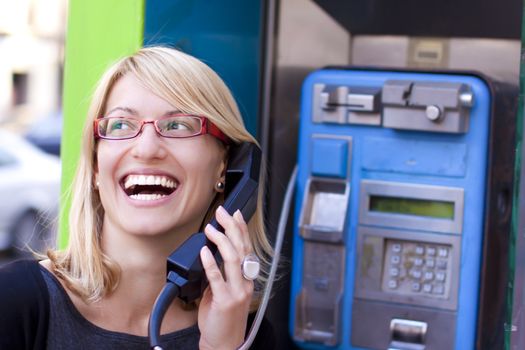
141 254
142 260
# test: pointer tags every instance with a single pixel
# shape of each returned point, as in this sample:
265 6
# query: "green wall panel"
98 33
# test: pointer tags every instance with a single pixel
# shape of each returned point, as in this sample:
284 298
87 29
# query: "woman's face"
184 171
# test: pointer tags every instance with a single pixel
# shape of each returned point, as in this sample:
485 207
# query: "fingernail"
211 228
239 216
205 251
222 210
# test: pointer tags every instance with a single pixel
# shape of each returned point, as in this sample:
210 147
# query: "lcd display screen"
410 206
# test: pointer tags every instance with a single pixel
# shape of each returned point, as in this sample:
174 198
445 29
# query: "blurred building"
32 36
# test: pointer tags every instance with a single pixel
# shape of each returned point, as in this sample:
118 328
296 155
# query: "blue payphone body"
391 211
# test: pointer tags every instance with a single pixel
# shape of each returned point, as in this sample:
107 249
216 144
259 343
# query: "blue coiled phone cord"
171 289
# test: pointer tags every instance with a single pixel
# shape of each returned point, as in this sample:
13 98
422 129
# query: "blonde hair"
194 88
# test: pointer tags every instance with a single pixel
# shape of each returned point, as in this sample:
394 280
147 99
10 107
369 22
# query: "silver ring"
250 267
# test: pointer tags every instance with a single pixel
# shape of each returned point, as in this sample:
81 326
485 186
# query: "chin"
147 228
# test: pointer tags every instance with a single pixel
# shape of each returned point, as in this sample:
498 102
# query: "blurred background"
31 69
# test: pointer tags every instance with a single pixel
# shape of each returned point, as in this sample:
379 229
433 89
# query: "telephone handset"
242 180
186 276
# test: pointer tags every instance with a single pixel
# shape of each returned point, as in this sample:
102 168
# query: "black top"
37 313
24 306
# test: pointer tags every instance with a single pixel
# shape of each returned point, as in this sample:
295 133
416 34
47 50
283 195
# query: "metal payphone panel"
389 223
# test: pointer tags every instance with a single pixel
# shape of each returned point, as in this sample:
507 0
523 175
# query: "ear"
222 169
95 166
224 163
221 172
95 180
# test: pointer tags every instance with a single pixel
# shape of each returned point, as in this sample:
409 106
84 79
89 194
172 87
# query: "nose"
148 144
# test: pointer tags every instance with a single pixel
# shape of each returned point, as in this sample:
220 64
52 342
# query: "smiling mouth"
148 187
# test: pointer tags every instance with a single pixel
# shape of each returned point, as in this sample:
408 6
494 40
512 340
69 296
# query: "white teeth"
164 181
128 183
147 197
150 180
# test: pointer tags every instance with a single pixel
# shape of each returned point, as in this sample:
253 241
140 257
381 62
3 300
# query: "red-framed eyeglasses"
173 126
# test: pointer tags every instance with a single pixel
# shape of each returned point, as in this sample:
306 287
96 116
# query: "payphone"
402 204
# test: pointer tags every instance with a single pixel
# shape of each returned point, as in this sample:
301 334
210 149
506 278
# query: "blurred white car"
29 194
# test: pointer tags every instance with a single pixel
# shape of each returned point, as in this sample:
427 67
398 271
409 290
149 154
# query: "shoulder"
24 304
265 338
21 280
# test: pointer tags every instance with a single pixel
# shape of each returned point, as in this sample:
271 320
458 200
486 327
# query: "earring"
219 186
97 184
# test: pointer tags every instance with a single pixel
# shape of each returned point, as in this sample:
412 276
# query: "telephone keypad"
416 268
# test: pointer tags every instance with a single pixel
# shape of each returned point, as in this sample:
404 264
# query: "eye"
177 125
120 126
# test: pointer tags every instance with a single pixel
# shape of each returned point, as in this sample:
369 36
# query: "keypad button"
441 276
439 289
416 274
394 272
395 259
396 247
420 250
442 252
429 276
427 288
430 262
431 251
416 287
418 262
441 264
392 284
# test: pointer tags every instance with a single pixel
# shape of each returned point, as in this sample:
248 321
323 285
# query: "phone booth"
402 209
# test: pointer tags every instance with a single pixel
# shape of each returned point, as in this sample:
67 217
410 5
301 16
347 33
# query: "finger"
245 234
230 256
213 273
233 230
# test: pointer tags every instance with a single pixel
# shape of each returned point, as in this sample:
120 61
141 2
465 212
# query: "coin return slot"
407 334
324 210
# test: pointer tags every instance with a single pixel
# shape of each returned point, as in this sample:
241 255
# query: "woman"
151 173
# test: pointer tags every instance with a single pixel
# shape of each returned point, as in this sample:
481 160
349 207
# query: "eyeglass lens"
124 127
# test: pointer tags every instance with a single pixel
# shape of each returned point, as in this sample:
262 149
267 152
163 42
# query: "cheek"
204 163
103 164
204 170
106 163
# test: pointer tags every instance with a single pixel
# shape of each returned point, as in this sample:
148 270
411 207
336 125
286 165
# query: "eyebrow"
123 109
170 113
135 113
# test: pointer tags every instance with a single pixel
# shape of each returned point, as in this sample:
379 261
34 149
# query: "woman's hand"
224 307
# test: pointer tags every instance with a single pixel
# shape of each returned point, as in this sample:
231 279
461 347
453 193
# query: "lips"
148 187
